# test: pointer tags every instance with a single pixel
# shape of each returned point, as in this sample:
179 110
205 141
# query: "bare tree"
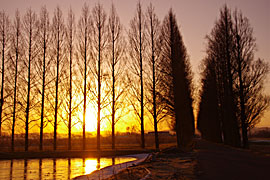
256 102
4 35
154 40
137 43
30 26
58 37
250 74
116 65
17 48
71 35
84 30
99 40
44 41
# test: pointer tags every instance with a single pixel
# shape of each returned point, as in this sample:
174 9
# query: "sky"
195 18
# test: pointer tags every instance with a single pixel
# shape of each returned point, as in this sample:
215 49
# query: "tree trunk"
141 80
15 82
85 84
70 92
43 94
28 94
3 70
56 90
113 93
99 88
154 84
28 88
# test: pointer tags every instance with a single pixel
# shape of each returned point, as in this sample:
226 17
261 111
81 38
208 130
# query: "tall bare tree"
154 41
4 35
71 35
17 48
116 65
99 40
84 30
30 26
44 41
137 43
250 73
256 102
58 28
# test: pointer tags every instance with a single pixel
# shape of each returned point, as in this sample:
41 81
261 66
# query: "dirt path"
217 161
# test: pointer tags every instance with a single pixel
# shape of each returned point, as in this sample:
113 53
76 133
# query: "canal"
56 169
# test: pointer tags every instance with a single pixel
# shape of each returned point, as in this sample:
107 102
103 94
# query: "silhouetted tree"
30 27
178 78
17 48
44 62
84 31
58 29
137 44
221 47
250 74
238 78
71 29
154 40
99 40
255 101
208 121
115 52
4 38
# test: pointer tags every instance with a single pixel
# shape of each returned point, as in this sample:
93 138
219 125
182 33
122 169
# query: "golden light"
90 165
90 119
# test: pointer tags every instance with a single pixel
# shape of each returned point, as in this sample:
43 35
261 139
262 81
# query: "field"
125 144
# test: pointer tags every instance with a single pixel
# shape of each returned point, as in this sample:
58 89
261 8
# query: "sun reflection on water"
54 168
90 165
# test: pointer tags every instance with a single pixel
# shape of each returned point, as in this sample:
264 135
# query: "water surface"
47 169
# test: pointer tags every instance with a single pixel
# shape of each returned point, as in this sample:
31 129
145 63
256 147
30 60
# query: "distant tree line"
231 97
52 69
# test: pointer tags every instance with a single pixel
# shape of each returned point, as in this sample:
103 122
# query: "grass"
125 144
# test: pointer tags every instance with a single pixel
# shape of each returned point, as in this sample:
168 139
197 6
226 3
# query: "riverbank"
69 154
115 169
170 163
207 161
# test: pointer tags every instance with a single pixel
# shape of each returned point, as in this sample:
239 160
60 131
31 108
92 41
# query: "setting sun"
90 119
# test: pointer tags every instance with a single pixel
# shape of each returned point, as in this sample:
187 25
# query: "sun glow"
90 119
90 165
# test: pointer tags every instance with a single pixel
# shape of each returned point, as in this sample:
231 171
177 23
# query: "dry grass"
123 142
131 173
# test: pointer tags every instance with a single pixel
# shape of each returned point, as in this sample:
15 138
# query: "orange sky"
195 17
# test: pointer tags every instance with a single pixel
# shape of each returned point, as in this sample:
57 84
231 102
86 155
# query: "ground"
170 163
216 161
206 161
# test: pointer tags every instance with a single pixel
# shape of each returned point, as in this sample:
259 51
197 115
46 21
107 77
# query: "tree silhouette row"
53 69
